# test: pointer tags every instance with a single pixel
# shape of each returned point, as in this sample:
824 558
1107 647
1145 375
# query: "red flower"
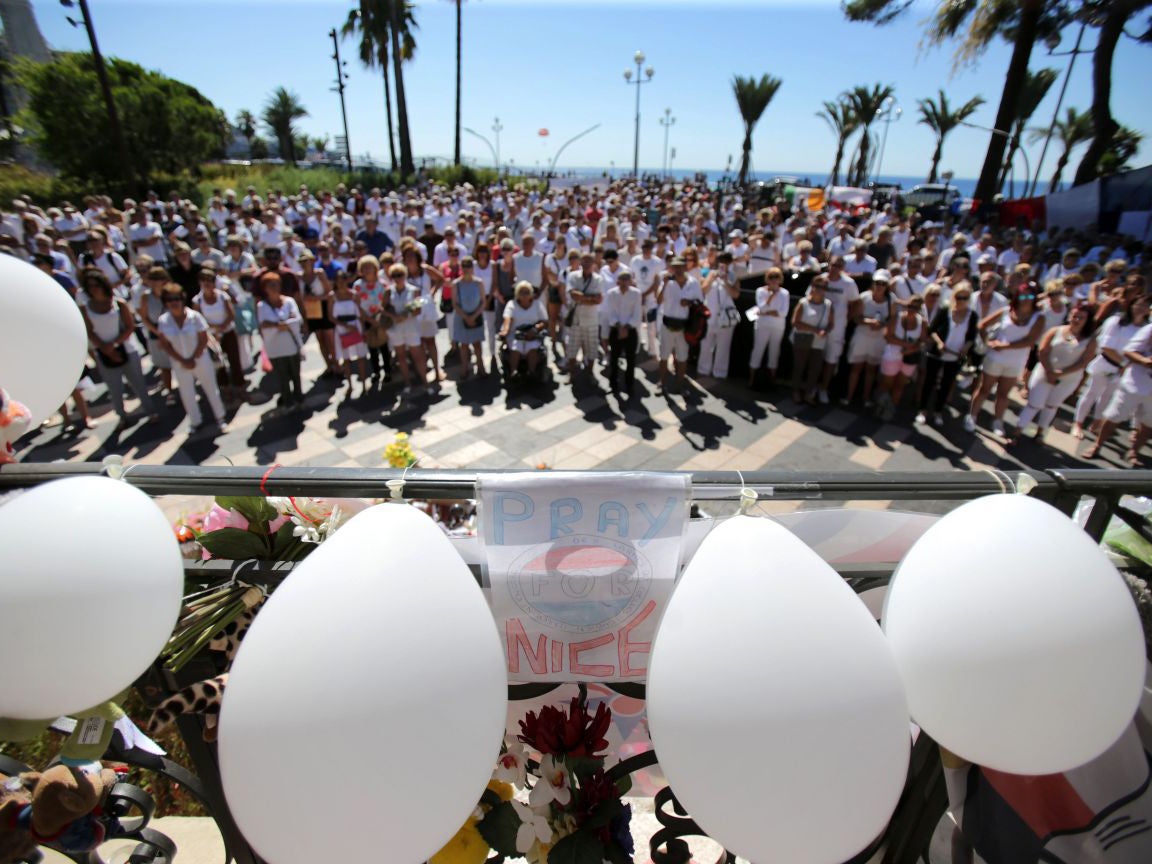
595 789
575 734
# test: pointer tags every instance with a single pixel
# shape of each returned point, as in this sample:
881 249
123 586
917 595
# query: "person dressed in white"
280 321
771 320
676 293
184 335
1104 372
720 292
530 264
845 297
1064 352
524 316
646 269
1133 397
585 293
869 342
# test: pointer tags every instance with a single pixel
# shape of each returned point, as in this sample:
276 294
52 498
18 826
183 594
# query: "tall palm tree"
1036 86
942 119
1072 131
246 125
1120 151
403 22
843 121
866 104
373 21
459 17
752 97
280 114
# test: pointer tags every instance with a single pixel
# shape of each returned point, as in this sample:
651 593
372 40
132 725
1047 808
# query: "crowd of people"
870 308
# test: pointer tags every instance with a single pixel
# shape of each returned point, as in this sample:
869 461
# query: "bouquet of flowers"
399 453
566 809
413 307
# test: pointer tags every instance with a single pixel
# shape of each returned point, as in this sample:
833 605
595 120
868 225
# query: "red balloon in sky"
543 133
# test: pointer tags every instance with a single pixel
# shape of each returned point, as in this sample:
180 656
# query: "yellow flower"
466 847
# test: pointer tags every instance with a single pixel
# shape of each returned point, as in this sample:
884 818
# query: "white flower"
552 785
512 765
533 828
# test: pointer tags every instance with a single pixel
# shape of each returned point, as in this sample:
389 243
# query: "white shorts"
428 329
520 346
1125 405
674 343
867 346
1010 369
407 335
834 346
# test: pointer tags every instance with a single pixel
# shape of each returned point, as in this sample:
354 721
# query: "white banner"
579 568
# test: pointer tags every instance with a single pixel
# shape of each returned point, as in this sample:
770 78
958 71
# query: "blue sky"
558 64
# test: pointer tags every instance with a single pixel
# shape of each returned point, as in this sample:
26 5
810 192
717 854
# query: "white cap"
881 276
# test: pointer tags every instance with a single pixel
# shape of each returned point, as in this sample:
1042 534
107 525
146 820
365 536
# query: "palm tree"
752 97
1122 148
320 142
246 126
1072 131
866 104
459 16
403 46
281 112
374 25
941 119
840 116
1036 86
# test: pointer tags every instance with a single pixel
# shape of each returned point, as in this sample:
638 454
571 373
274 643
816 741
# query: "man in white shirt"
585 292
624 318
443 250
146 237
905 285
1010 257
646 269
99 255
529 263
843 244
72 227
860 262
845 297
271 233
957 247
677 291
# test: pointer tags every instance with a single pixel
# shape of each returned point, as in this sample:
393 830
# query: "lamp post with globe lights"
640 79
666 121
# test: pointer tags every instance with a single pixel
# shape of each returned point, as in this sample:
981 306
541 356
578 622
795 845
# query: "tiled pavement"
479 424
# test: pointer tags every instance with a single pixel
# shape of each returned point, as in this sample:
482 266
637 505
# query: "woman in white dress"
347 319
771 320
1063 354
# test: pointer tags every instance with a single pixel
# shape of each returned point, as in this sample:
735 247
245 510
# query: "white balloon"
45 342
1018 642
774 704
91 582
380 652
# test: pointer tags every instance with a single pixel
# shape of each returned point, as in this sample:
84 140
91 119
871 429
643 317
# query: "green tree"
280 114
403 22
320 142
1111 17
1021 22
1036 86
168 126
1120 151
843 122
941 119
752 97
246 125
866 104
1071 132
258 149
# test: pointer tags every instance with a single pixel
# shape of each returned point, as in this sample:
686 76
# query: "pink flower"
218 518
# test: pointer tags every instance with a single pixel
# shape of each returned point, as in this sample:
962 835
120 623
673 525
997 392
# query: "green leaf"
605 813
499 828
583 766
282 541
583 847
255 509
234 544
624 785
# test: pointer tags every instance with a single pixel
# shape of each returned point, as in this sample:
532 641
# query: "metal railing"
924 800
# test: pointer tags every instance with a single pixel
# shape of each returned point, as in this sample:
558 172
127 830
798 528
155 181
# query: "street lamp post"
640 79
341 76
666 121
497 127
493 150
890 107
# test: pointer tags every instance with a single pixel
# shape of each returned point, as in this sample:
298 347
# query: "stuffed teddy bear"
14 422
61 808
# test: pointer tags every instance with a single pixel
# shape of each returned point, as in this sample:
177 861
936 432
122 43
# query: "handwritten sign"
579 568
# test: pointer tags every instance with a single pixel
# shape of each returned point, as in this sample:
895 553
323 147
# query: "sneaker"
998 428
823 397
222 428
969 423
938 422
921 419
843 402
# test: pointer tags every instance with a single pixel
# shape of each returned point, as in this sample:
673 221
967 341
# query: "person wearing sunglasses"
1009 334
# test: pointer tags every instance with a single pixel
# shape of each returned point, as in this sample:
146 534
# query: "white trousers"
1096 395
1045 399
493 327
769 335
715 349
186 380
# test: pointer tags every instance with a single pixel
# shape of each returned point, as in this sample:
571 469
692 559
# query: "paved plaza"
481 424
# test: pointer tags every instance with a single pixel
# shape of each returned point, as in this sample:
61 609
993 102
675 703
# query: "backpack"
697 327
